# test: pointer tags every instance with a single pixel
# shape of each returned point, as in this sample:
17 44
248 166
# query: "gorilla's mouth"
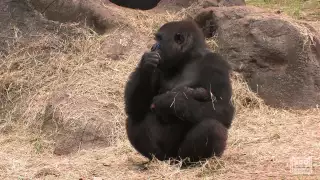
155 47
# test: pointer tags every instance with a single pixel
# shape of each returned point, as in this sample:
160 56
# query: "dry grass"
261 141
299 9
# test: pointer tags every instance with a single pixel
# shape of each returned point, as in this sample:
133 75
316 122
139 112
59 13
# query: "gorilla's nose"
152 107
155 47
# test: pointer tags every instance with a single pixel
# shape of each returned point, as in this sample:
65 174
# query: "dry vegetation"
299 9
261 142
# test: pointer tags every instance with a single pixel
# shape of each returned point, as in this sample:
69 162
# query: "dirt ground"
262 144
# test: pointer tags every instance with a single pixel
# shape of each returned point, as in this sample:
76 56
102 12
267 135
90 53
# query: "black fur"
137 4
178 99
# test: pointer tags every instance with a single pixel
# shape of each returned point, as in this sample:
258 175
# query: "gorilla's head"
177 41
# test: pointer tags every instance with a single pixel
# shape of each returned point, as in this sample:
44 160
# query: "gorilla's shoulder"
214 59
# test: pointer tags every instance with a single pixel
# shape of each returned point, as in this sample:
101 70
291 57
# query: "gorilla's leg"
152 137
204 140
143 135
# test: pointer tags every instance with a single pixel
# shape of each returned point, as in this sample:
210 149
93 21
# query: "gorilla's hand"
150 60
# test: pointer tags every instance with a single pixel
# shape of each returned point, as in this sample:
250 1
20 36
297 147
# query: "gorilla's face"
172 46
175 41
170 49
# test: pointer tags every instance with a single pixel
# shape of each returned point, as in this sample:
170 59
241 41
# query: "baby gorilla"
178 98
199 94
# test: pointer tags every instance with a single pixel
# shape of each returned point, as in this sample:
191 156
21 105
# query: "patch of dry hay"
243 97
261 139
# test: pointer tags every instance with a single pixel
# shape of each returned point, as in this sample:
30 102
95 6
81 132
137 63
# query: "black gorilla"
178 99
137 4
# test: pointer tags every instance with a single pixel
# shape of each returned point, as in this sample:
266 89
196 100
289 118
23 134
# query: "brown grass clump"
243 97
92 70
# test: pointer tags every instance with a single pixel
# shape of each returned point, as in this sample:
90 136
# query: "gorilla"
136 4
178 98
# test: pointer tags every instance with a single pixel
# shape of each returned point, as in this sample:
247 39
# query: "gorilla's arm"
217 81
137 4
141 87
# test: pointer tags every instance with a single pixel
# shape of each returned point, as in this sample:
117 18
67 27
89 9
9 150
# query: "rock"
90 12
20 24
219 3
150 4
278 56
178 3
77 123
14 21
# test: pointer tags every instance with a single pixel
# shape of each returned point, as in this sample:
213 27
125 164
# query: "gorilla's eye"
158 37
179 38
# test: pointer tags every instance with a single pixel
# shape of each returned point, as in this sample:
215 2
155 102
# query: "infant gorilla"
199 94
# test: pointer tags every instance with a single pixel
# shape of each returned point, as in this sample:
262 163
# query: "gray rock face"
279 57
219 3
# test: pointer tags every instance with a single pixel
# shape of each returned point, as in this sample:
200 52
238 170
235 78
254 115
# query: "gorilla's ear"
179 38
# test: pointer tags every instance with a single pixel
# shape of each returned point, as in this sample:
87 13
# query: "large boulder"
150 4
219 3
92 13
278 56
199 4
15 23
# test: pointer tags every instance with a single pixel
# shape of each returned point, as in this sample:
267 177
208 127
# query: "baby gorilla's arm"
200 93
182 102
